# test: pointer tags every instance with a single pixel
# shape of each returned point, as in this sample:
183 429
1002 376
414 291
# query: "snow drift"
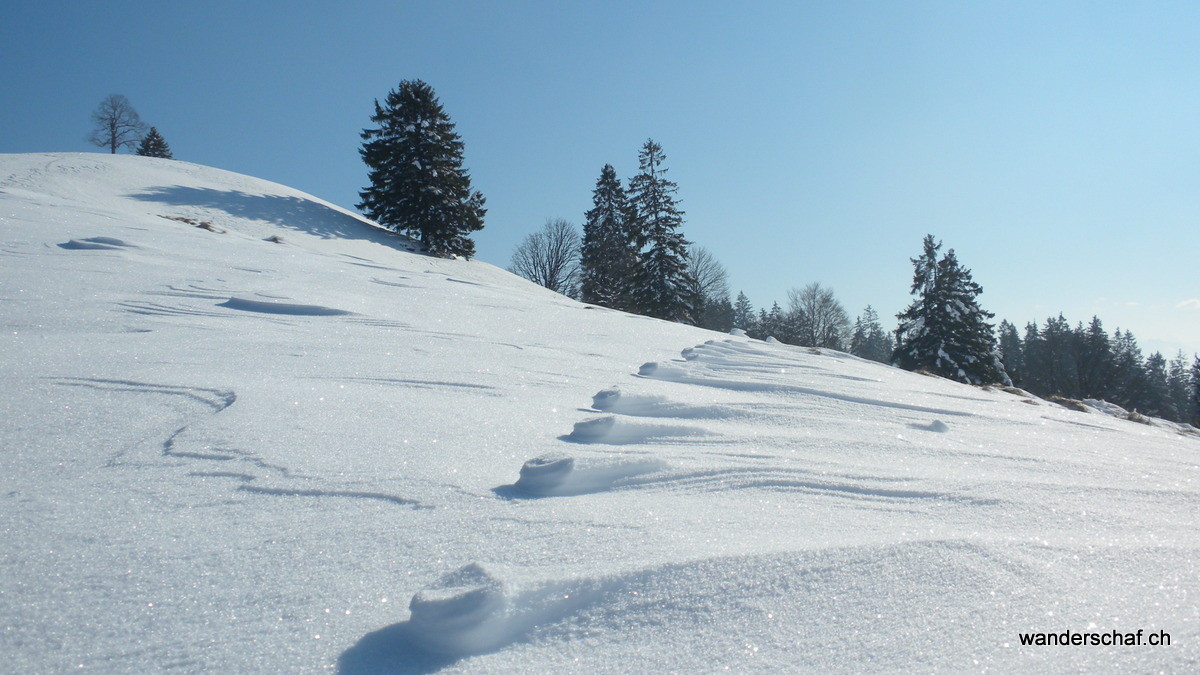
287 441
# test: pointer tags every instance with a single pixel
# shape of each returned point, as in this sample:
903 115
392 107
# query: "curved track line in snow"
421 384
191 291
394 284
219 400
791 480
352 494
158 309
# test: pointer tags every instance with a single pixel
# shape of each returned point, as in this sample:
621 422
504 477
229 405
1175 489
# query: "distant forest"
945 331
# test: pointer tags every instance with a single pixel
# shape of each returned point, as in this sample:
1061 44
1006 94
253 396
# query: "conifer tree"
945 331
1179 388
1095 361
1012 353
869 341
1157 399
665 287
1129 384
418 184
608 260
771 324
1059 367
717 315
154 145
743 315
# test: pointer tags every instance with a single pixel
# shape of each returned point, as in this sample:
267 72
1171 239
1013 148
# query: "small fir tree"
418 184
771 324
869 340
743 315
154 145
1012 353
945 331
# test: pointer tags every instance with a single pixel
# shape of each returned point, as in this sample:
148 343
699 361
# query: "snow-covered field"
223 453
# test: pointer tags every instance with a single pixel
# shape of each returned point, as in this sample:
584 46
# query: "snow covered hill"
244 430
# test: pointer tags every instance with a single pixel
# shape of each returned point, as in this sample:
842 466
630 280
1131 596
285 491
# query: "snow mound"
563 475
96 244
471 611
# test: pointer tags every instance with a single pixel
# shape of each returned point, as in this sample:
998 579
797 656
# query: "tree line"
632 256
1085 362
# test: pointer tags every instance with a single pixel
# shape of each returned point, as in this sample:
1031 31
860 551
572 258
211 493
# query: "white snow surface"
220 453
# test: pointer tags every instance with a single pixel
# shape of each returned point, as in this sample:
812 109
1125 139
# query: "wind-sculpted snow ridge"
472 611
826 610
96 244
561 475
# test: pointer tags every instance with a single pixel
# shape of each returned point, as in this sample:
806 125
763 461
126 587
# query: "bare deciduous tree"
710 275
712 284
550 257
819 318
117 124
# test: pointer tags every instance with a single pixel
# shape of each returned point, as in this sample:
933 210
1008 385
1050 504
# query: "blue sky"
1055 146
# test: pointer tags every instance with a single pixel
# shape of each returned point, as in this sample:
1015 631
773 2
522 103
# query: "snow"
225 454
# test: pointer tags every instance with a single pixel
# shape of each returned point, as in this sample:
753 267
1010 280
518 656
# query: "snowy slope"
223 453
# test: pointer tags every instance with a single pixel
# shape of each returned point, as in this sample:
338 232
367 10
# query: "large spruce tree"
608 258
418 184
154 145
665 289
945 331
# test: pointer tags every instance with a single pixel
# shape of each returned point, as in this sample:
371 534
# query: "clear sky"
1054 145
